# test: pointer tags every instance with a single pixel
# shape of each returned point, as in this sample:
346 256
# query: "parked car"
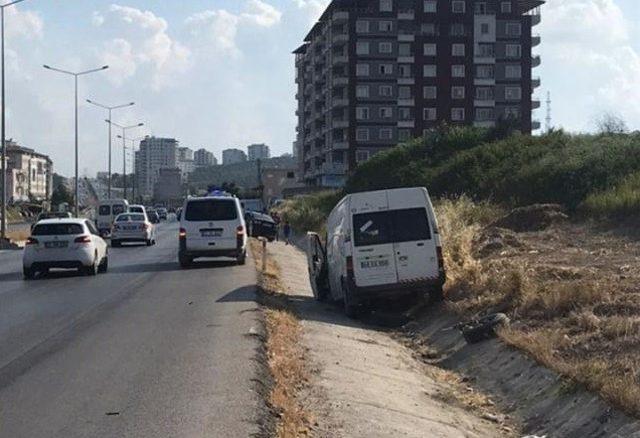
51 215
382 244
66 244
107 212
137 209
261 225
212 227
132 227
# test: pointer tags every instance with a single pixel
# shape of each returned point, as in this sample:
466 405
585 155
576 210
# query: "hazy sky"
219 73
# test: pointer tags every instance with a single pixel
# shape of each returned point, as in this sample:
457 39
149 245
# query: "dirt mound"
534 217
494 239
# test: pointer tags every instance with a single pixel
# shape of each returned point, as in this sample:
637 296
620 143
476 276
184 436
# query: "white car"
132 227
212 226
137 209
65 244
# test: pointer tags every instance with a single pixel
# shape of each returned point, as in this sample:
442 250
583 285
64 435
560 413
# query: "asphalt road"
146 350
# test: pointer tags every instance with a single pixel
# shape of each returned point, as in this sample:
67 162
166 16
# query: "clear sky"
219 73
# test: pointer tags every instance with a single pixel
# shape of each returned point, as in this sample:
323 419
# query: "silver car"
132 227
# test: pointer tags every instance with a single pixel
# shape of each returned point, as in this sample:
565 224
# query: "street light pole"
76 75
133 164
110 109
124 148
3 213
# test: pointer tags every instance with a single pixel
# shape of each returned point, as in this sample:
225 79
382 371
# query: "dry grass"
285 352
573 324
19 236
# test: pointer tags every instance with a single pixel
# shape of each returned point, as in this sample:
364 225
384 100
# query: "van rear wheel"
436 295
351 305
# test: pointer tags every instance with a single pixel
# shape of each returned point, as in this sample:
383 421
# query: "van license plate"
374 264
211 233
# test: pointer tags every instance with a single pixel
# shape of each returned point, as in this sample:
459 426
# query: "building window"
362 91
484 114
362 69
486 50
404 134
362 26
457 6
429 71
485 72
386 69
386 5
404 93
457 92
430 49
513 51
513 71
362 134
457 50
385 47
362 48
362 156
480 8
457 114
485 29
513 29
430 6
430 92
404 113
385 90
404 49
362 113
429 114
405 70
505 7
385 26
512 112
386 112
386 134
457 71
484 93
456 29
428 29
513 93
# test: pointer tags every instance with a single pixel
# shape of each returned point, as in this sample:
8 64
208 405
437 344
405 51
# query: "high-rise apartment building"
203 157
375 73
258 152
155 153
232 156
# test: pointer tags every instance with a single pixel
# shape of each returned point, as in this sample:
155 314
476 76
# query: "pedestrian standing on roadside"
287 232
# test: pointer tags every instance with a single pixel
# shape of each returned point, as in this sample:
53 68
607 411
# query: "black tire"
149 242
116 244
436 295
242 258
104 266
92 270
184 261
351 305
28 274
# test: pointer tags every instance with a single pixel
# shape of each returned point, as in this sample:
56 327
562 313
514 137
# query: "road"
146 350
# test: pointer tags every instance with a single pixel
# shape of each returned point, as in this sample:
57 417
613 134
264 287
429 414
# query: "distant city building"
203 157
186 168
168 189
258 152
185 154
374 73
155 153
29 174
232 156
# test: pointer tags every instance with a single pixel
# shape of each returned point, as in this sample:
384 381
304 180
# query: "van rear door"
373 255
211 224
414 243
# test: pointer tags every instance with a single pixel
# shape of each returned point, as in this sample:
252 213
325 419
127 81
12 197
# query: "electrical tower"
548 120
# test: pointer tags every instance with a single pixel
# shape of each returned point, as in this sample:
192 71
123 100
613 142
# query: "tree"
60 195
610 123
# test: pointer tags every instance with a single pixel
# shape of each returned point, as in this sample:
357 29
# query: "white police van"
212 226
379 244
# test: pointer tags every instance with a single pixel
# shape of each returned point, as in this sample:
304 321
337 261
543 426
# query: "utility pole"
548 120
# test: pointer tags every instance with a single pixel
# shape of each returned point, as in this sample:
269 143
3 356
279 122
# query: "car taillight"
83 239
240 230
31 241
182 233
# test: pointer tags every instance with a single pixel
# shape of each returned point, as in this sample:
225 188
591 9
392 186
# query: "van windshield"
104 210
389 226
211 210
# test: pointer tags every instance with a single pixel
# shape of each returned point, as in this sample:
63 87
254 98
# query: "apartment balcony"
340 38
535 61
407 14
484 82
340 81
340 123
339 16
406 124
334 168
535 40
406 81
340 59
535 104
340 145
406 102
406 59
484 59
335 103
535 83
535 125
406 37
536 18
484 103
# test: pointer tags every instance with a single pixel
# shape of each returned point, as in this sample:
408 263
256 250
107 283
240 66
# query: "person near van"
286 229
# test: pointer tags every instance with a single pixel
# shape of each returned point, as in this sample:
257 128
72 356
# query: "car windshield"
57 229
130 218
382 227
211 210
104 210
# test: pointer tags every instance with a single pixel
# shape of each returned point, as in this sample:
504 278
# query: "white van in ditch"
107 212
381 244
212 226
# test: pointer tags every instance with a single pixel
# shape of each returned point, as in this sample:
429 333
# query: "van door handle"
421 244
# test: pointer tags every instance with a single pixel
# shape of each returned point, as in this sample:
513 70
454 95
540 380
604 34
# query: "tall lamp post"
124 149
110 109
134 183
75 77
3 213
